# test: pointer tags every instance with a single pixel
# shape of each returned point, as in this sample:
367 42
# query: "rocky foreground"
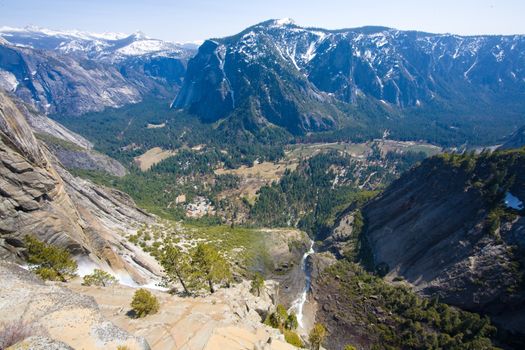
65 316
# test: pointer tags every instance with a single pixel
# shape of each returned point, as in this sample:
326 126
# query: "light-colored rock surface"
73 157
229 319
68 317
43 124
40 343
41 198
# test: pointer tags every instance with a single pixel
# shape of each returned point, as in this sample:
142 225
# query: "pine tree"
177 266
212 266
99 278
144 303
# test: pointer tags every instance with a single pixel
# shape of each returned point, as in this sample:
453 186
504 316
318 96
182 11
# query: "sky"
192 20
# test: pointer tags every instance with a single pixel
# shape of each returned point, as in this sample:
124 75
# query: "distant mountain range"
76 72
352 84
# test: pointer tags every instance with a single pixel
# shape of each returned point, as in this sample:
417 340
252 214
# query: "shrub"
293 338
317 335
49 262
16 331
99 278
350 347
144 303
291 321
257 284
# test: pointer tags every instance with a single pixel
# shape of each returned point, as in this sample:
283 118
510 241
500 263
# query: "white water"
298 304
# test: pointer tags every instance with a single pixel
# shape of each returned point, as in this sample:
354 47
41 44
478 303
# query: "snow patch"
284 22
513 202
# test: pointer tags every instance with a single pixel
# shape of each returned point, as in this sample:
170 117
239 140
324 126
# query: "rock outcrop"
72 156
41 198
71 320
445 229
231 318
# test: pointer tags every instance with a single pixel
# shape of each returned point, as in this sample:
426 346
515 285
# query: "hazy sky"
199 19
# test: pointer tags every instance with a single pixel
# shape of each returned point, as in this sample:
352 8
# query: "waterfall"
298 304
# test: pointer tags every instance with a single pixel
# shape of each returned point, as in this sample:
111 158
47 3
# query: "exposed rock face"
74 73
74 157
69 318
267 89
41 124
432 229
41 198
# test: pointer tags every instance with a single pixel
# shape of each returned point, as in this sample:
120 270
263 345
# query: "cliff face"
445 229
39 197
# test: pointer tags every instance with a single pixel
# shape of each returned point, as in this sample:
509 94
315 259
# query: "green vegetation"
286 323
144 303
394 317
177 266
257 284
308 198
123 133
244 248
317 336
293 338
52 140
212 266
349 347
492 175
99 278
202 265
49 262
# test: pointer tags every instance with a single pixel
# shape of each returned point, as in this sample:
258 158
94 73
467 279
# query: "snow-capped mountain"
76 72
282 70
103 46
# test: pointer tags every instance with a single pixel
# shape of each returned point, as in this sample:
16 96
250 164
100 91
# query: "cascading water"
298 304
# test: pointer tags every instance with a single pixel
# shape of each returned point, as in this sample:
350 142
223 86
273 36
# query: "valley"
284 187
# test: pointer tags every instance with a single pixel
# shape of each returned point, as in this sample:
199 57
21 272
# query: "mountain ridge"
407 73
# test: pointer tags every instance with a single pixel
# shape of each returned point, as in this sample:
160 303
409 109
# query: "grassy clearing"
153 156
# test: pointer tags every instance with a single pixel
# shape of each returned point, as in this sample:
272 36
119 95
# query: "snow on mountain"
6 31
104 46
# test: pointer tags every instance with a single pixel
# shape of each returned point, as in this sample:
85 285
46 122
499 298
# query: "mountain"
451 228
74 72
307 79
516 140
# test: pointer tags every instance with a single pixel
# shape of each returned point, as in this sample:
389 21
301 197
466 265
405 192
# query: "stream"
298 304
